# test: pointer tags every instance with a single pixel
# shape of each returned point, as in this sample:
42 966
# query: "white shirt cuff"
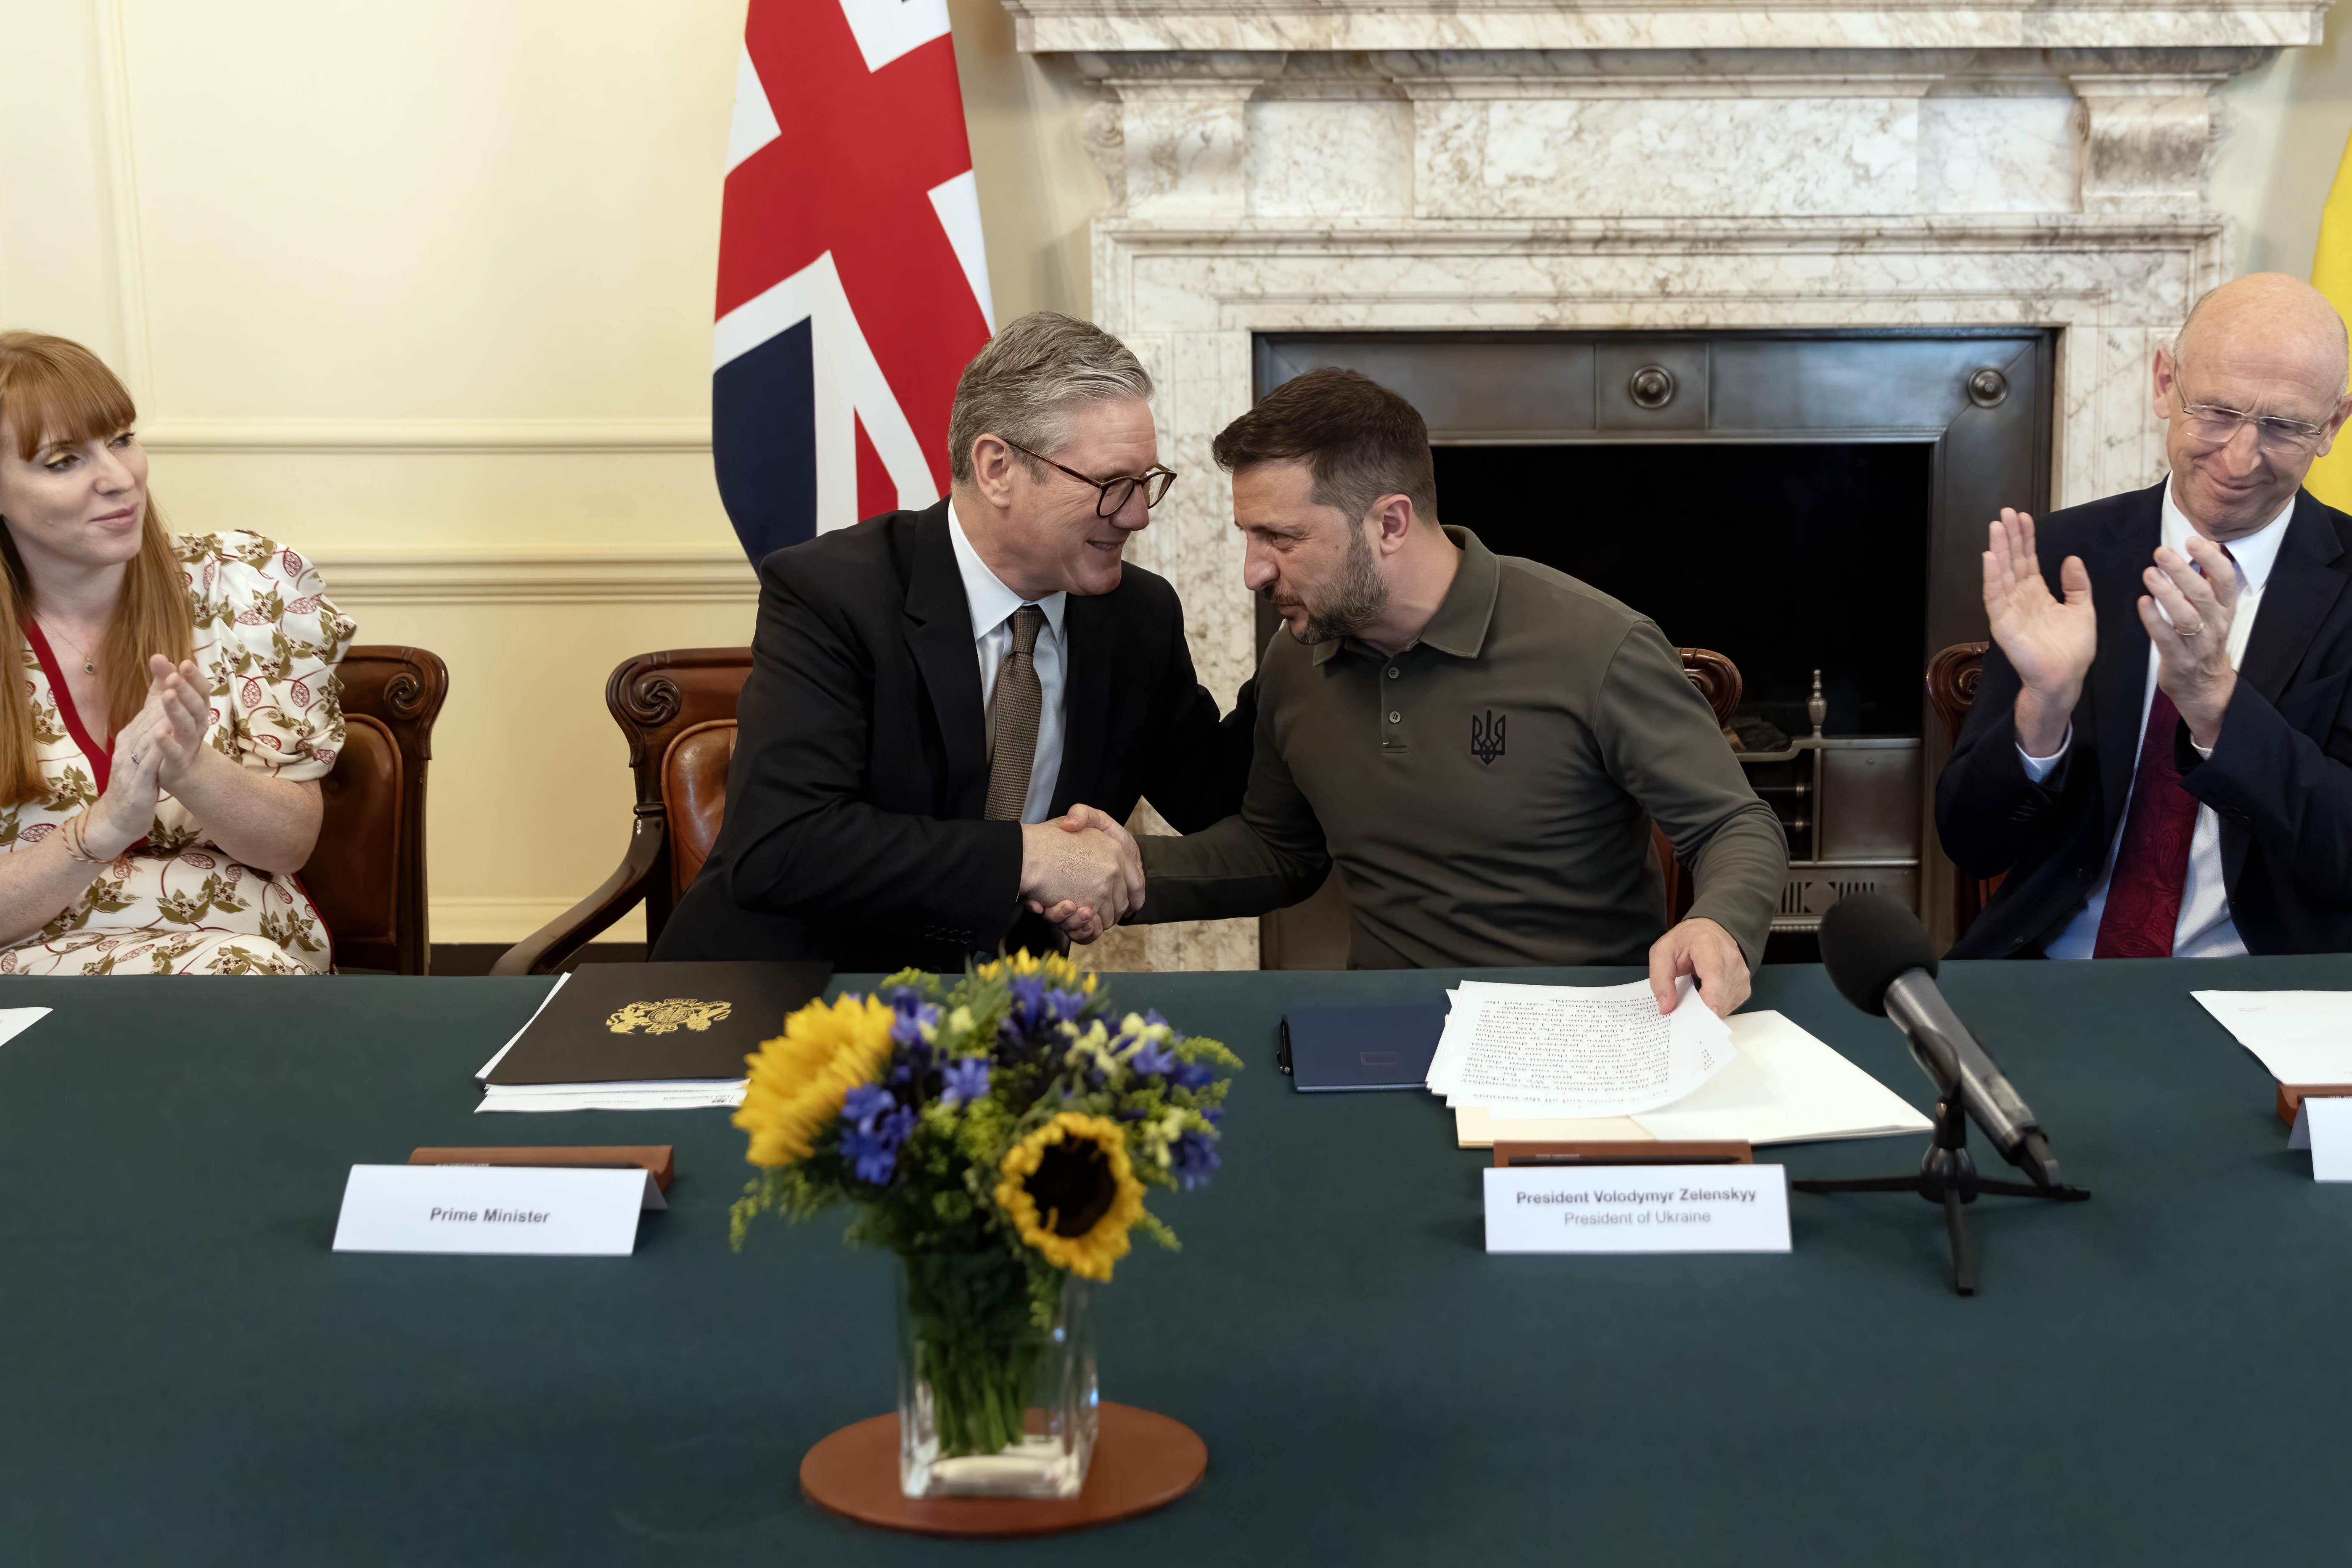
2037 768
2205 753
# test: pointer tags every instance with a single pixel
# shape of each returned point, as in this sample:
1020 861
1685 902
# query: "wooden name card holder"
2291 1096
1624 1152
660 1159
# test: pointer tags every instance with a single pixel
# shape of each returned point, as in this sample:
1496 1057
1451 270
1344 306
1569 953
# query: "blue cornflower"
874 1159
1066 1006
1026 1008
966 1080
877 1125
861 1105
1190 1075
913 1013
1194 1156
1152 1061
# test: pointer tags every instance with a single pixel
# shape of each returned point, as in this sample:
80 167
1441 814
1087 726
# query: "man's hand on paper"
1700 947
1083 919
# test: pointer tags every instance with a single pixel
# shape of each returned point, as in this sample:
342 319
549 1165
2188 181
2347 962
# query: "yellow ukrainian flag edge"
2331 273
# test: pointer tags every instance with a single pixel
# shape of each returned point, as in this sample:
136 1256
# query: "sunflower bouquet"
998 1134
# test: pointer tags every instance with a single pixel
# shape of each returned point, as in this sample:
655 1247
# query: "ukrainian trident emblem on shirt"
1486 737
668 1015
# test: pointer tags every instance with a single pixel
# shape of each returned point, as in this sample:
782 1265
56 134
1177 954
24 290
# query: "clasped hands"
2050 641
1084 873
1081 871
164 741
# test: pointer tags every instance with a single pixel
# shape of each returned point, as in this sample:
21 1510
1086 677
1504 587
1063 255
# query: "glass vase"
993 1402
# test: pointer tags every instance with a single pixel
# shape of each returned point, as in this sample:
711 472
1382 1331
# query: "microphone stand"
1948 1175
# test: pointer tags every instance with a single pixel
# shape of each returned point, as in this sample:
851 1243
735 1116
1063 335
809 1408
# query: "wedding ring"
2190 631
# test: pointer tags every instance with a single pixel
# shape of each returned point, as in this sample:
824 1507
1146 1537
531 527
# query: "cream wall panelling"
486 436
454 577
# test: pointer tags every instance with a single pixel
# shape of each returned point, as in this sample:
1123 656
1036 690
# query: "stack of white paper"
2302 1036
1783 1087
671 1094
679 1094
1551 1051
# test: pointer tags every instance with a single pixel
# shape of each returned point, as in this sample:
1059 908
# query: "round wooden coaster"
1142 1461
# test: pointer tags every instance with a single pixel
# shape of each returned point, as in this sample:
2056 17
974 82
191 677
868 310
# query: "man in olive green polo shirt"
1480 743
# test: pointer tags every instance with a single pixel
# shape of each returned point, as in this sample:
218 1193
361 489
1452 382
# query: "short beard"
1359 597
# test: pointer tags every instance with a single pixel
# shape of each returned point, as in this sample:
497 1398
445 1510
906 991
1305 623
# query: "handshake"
1082 872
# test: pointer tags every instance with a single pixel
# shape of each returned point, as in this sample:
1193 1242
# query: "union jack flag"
852 285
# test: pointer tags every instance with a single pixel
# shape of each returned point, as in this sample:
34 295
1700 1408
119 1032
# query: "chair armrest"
544 951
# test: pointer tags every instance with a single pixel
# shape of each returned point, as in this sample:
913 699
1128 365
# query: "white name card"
1637 1208
571 1213
2323 1126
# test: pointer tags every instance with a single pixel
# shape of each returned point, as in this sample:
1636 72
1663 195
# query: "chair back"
1952 677
1717 679
676 709
694 796
367 872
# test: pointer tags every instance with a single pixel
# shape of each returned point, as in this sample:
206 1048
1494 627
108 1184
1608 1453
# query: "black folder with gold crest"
627 1022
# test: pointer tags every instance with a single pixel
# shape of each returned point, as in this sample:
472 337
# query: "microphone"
1879 957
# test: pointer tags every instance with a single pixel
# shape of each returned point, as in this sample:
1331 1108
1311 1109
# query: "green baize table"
190 1375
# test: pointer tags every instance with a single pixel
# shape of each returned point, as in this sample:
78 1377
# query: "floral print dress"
269 641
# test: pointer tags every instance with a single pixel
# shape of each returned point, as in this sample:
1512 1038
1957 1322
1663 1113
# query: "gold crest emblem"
668 1015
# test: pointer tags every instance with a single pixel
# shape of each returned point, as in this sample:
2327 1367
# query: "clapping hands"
1082 872
2050 642
152 753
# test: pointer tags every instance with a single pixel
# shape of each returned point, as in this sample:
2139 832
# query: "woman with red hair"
167 705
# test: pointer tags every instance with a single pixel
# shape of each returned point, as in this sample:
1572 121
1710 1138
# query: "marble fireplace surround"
1414 167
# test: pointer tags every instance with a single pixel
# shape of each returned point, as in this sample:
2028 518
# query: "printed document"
2302 1037
1787 1087
1575 1050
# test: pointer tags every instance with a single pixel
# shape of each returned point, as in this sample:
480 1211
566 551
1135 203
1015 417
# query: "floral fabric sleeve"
270 639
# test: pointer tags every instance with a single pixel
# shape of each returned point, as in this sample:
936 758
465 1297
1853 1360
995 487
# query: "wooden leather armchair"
367 873
677 710
1717 679
1952 677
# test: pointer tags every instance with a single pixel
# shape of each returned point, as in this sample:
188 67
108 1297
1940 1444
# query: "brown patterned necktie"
1013 708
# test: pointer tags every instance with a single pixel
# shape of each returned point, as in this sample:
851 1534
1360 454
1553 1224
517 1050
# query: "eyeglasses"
1154 482
2212 426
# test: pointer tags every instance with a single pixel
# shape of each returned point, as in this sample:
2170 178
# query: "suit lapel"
2304 584
1085 697
2119 675
939 633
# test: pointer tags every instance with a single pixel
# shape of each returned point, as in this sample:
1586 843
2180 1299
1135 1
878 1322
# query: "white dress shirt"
2205 929
993 604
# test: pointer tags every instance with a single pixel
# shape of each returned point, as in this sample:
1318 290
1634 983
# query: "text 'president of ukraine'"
929 688
1478 742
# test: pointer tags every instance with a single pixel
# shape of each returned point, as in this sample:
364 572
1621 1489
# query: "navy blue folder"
1330 1049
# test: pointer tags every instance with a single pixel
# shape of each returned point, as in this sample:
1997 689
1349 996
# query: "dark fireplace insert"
1810 504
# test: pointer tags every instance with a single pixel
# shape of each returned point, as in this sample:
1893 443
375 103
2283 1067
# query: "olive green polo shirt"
1487 794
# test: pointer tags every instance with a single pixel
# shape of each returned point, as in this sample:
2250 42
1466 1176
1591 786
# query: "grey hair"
1030 378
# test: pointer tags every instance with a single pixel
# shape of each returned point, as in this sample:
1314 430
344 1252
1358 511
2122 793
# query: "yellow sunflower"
1071 1193
799 1080
1061 972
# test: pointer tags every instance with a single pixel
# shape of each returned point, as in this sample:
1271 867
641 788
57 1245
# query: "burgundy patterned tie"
2152 858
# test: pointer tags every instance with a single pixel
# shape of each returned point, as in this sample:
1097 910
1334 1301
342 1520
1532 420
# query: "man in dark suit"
2159 756
931 691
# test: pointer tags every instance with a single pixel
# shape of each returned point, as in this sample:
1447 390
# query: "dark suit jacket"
854 828
2279 777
